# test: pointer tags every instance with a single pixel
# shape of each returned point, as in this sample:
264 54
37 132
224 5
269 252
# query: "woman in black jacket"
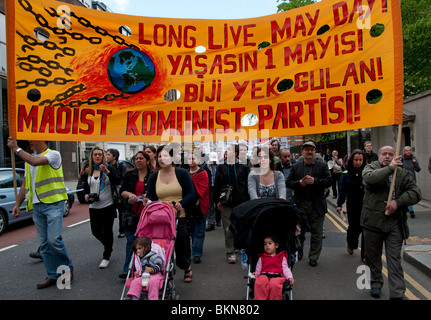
174 185
351 187
133 188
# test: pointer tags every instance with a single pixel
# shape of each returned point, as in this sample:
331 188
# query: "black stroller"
251 221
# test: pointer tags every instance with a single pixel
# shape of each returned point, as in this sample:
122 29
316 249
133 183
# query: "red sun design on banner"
94 74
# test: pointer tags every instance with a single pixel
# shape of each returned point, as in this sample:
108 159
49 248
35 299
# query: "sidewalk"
417 250
71 184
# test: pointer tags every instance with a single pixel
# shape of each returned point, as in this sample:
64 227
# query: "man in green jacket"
386 222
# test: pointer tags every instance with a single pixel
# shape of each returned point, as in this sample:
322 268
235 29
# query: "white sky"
195 9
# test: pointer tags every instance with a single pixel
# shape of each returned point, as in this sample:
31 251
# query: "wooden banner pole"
394 175
12 158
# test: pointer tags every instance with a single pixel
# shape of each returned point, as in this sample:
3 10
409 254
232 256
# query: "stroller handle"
178 212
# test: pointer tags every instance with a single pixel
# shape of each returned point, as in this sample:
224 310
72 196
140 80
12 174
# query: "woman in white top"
264 181
99 179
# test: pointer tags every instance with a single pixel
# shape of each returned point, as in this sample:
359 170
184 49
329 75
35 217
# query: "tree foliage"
416 17
292 4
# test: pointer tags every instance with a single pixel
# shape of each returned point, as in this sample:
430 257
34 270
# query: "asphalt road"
335 277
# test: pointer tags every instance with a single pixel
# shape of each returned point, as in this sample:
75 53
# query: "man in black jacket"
369 154
308 179
284 166
230 173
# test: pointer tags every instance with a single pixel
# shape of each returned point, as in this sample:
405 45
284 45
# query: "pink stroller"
157 222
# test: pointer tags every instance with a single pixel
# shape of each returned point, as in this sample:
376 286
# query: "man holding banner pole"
384 219
44 183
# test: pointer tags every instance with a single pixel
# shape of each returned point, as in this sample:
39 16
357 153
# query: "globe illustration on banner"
131 71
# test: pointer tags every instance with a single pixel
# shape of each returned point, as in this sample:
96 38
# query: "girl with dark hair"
351 188
152 264
151 150
272 270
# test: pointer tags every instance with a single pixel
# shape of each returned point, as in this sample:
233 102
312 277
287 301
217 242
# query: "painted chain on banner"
330 66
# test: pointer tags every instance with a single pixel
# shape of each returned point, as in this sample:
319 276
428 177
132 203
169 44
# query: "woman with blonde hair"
99 179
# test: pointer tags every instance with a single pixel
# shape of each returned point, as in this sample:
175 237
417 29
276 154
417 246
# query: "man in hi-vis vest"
45 192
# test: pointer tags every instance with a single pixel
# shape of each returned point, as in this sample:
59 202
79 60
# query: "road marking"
10 247
78 223
418 287
415 284
336 224
337 216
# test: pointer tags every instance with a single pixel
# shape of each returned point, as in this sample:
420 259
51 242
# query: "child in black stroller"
254 221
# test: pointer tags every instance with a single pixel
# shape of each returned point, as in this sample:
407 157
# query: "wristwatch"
17 150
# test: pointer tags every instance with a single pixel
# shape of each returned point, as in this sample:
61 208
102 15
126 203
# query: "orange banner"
79 74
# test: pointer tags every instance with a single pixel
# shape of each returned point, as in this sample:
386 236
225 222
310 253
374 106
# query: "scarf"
102 177
408 157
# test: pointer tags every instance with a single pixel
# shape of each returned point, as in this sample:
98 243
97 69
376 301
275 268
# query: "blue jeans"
48 219
130 237
198 236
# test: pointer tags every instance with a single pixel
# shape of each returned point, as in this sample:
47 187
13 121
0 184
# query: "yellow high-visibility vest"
49 184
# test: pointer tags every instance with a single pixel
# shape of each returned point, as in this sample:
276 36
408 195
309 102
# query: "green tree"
292 4
416 17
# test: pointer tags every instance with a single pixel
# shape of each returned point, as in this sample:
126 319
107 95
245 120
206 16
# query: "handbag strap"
100 181
234 170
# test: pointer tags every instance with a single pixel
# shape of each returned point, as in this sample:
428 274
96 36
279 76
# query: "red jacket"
201 182
273 264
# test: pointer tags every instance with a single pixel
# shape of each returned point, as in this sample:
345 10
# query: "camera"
93 197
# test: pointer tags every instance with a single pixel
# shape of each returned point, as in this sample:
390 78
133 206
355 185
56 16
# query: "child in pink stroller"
149 271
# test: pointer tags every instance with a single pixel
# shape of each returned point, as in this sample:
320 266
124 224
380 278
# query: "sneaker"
349 250
104 264
231 259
